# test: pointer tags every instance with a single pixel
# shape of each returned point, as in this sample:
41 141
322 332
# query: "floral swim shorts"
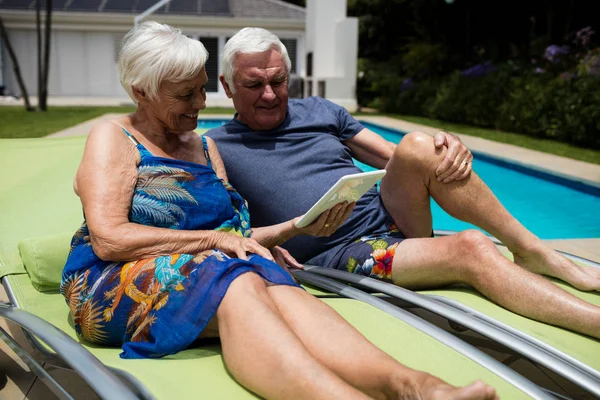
371 256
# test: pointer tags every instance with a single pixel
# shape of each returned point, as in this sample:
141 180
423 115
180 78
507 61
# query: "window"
290 45
212 65
118 45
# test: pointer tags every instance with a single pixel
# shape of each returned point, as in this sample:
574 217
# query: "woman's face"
178 103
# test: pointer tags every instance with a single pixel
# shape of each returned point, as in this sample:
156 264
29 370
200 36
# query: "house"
86 37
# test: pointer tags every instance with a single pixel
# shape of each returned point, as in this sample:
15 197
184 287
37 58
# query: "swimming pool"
206 124
551 207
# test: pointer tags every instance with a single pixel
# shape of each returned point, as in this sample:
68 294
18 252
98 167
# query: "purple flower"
407 84
567 76
479 70
539 70
583 36
554 52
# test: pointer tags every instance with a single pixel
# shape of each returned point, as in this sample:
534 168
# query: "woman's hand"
329 221
239 247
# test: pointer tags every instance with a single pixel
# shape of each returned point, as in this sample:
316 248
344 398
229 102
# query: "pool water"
206 124
550 207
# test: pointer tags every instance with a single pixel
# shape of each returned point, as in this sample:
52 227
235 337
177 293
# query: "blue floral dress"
158 306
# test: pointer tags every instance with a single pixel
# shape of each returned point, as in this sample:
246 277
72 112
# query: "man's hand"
329 221
458 163
284 258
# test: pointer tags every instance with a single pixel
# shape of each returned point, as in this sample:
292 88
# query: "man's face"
261 89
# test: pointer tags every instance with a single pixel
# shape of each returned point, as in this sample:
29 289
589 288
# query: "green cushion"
44 259
200 372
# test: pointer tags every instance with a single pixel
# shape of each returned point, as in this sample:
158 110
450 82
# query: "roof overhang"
118 22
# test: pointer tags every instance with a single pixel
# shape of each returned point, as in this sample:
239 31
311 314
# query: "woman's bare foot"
545 261
424 386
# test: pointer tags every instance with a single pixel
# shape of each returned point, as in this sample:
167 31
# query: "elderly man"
282 155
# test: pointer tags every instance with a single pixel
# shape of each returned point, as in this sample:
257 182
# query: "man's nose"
268 93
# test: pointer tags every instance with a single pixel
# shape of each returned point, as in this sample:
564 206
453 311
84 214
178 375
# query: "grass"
545 145
18 123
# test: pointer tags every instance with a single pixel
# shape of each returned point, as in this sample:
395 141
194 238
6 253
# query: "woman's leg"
351 356
265 355
470 257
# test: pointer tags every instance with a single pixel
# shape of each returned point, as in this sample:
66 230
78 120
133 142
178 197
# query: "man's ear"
139 94
225 86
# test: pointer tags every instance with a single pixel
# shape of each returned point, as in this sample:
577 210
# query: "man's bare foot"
545 261
428 387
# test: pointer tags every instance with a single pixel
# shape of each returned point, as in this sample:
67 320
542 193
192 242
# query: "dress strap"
143 151
205 144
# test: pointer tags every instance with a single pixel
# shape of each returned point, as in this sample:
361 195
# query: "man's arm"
370 148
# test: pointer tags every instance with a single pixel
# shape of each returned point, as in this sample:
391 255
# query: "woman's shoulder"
112 127
109 136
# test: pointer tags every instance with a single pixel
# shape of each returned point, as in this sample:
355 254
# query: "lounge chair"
574 356
39 212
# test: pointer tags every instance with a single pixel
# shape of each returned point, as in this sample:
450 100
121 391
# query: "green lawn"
15 122
545 145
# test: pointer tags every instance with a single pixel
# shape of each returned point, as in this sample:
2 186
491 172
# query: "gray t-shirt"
283 172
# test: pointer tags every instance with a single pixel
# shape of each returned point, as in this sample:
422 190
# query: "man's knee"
416 147
473 249
473 243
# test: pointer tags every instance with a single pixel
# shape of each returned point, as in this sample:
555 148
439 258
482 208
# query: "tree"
15 63
43 64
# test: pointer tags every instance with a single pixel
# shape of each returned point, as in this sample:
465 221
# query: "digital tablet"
348 188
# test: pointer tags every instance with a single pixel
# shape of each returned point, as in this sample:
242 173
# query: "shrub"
564 107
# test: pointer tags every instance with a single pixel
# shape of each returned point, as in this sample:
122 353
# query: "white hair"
250 41
153 53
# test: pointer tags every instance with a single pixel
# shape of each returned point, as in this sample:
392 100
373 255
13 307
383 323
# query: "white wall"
81 64
333 40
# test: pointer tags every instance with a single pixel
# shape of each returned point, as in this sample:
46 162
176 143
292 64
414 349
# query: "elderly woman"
164 255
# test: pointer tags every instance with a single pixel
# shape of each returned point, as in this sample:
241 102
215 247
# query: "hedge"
564 108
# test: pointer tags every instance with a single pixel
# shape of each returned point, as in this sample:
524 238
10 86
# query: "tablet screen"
348 188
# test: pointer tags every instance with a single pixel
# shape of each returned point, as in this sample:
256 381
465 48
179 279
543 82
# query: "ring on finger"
326 225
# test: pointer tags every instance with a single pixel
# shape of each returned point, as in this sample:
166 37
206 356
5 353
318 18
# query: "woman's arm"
216 160
106 181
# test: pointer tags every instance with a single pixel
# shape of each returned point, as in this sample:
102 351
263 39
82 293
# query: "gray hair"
153 53
250 41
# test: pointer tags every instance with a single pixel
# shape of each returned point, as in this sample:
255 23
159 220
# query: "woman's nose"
200 101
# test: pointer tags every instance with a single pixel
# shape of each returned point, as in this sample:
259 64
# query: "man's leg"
471 258
410 182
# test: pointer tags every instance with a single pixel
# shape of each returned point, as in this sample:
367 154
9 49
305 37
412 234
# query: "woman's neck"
154 130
